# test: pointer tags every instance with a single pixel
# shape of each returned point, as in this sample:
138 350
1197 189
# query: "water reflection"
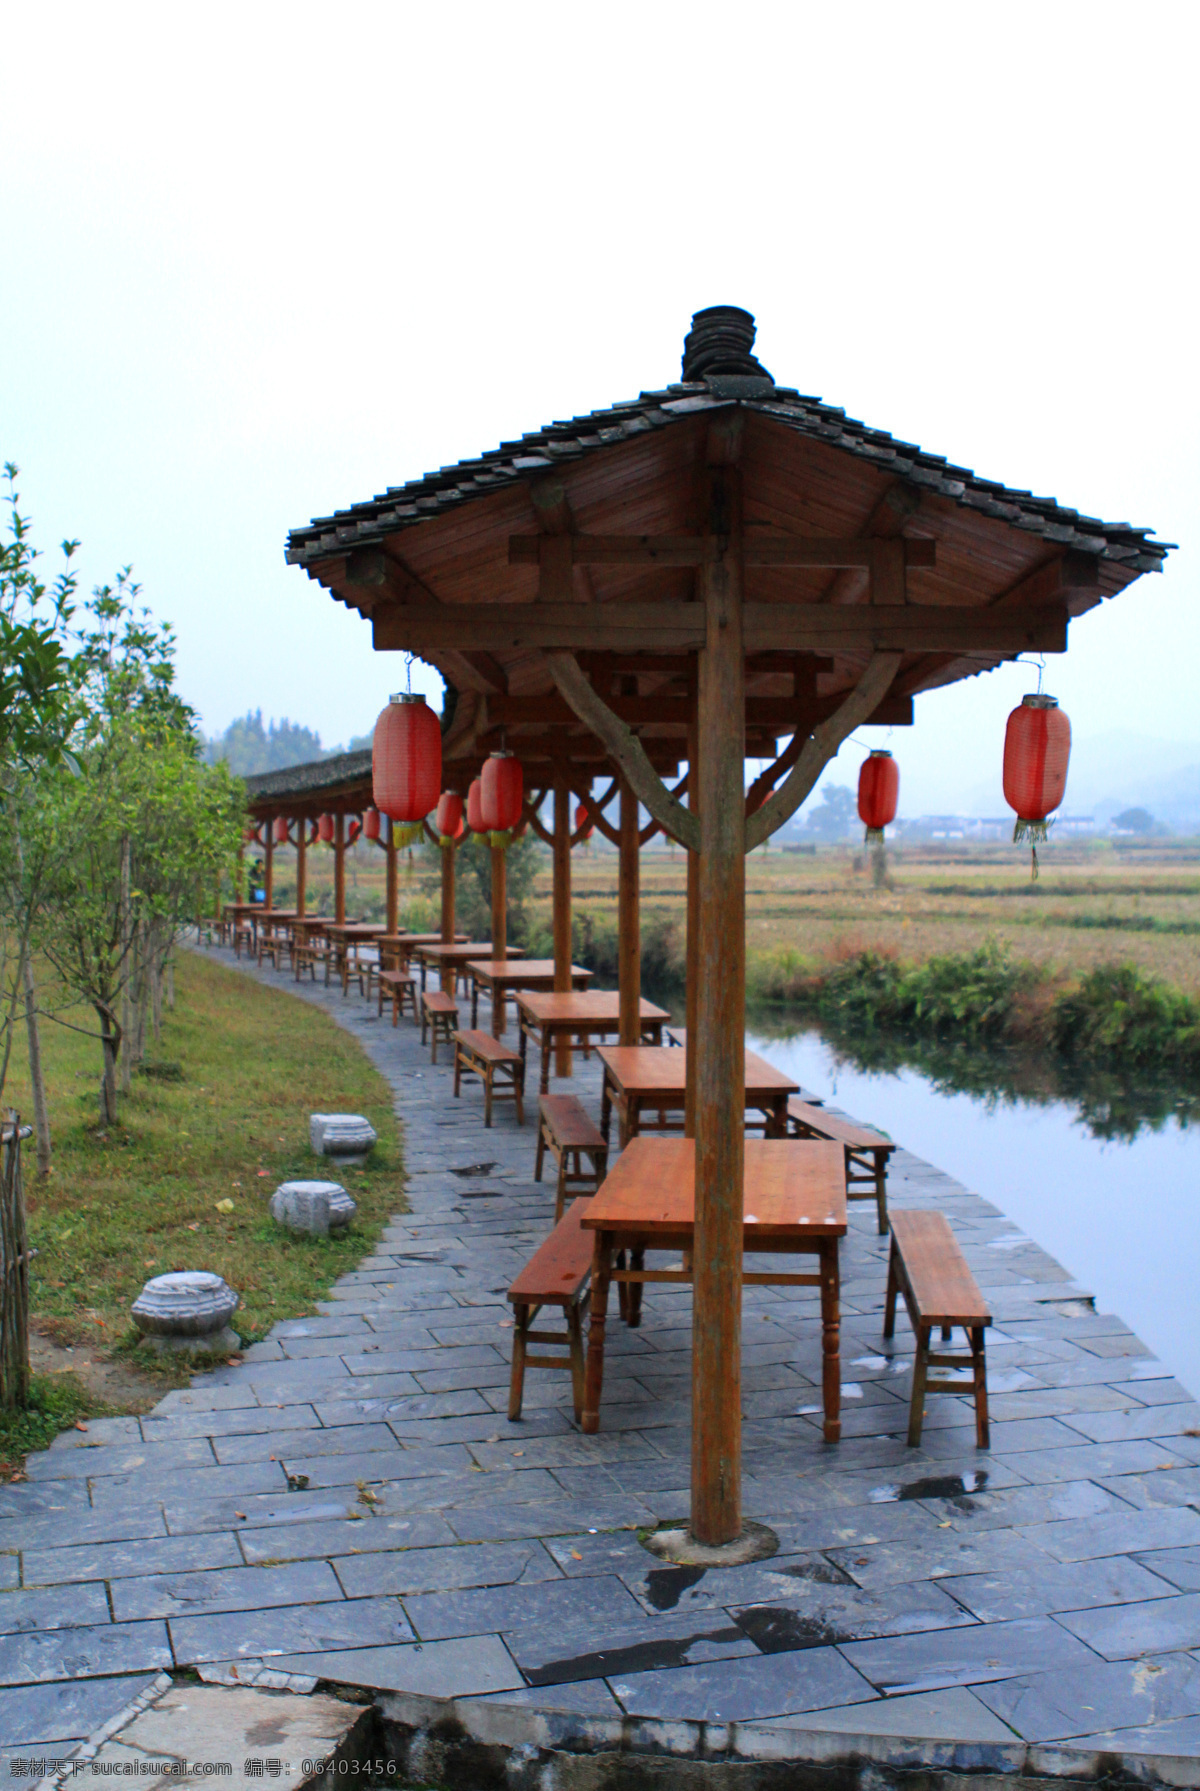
1110 1106
1103 1174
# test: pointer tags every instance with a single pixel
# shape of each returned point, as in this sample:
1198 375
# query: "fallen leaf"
224 1206
80 1425
945 1524
262 1172
240 1514
195 1225
575 1555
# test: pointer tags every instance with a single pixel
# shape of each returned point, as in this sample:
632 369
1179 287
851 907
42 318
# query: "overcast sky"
262 261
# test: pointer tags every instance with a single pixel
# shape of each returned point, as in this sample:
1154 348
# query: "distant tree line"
249 748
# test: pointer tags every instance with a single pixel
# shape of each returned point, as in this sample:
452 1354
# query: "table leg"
594 1378
777 1121
831 1365
637 1260
606 1110
497 1013
474 1003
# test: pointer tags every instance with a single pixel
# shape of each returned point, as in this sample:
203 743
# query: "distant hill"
1114 771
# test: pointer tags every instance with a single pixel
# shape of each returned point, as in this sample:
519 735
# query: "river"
1121 1217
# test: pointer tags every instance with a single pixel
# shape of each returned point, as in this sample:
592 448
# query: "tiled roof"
311 779
403 506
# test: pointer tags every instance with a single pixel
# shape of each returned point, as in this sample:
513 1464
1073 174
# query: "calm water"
1123 1218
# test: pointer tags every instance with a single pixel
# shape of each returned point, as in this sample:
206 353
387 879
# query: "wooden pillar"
629 935
449 865
339 869
499 929
562 907
392 916
239 894
269 867
720 1032
301 865
691 961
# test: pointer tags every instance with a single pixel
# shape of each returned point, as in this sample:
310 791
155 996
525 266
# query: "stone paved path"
1047 1589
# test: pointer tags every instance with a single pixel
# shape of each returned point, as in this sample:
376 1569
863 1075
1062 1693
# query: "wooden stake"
562 907
339 869
629 947
720 1032
448 868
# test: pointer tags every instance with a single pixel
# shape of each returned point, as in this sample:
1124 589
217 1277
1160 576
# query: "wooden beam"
696 550
670 627
785 714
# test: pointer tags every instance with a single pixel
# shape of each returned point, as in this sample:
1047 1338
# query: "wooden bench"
243 936
928 1268
499 1067
309 950
867 1152
565 1130
556 1275
439 1018
401 985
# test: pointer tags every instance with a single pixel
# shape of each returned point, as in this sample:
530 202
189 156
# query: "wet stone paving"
351 1504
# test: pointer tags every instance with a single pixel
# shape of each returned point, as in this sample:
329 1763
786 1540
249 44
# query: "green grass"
55 1403
142 1198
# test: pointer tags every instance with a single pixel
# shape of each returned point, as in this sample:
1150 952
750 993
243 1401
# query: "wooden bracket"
626 749
820 747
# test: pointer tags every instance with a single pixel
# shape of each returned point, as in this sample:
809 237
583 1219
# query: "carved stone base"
678 1544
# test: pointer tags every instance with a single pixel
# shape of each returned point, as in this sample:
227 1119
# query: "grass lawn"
142 1198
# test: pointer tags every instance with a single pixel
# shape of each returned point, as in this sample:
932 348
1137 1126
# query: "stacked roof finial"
719 344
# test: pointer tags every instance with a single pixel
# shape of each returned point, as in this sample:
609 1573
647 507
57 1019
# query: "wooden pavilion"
721 570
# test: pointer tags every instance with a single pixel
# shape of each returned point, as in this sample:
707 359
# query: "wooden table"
795 1204
399 947
499 976
653 1078
448 959
548 1019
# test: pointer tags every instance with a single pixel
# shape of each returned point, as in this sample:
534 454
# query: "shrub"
1118 1015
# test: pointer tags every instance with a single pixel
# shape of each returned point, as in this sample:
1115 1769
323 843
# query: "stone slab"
314 1628
761 1687
96 1652
67 1709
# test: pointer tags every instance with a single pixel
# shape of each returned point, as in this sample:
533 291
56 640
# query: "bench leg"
516 1385
983 1435
594 1374
425 1028
881 1194
540 1159
545 1082
488 1073
916 1411
560 1192
519 1092
475 1007
457 1070
893 1288
831 1347
575 1331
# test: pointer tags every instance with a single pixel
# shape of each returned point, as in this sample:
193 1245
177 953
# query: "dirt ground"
112 1383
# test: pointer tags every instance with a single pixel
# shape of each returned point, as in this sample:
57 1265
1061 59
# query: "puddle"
630 1657
776 1629
665 1585
936 1486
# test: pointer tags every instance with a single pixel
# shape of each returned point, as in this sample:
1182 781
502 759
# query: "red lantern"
475 807
353 831
325 828
249 834
371 821
502 793
450 815
280 830
1037 752
581 816
406 759
878 792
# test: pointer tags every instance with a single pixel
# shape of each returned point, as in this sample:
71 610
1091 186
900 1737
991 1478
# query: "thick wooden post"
269 867
629 936
240 890
301 865
339 869
691 961
392 916
449 855
720 1033
562 907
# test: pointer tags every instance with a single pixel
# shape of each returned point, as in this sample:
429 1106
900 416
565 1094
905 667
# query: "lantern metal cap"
406 696
501 752
880 752
1036 700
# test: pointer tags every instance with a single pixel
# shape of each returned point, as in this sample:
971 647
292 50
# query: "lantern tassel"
873 836
1036 831
500 842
